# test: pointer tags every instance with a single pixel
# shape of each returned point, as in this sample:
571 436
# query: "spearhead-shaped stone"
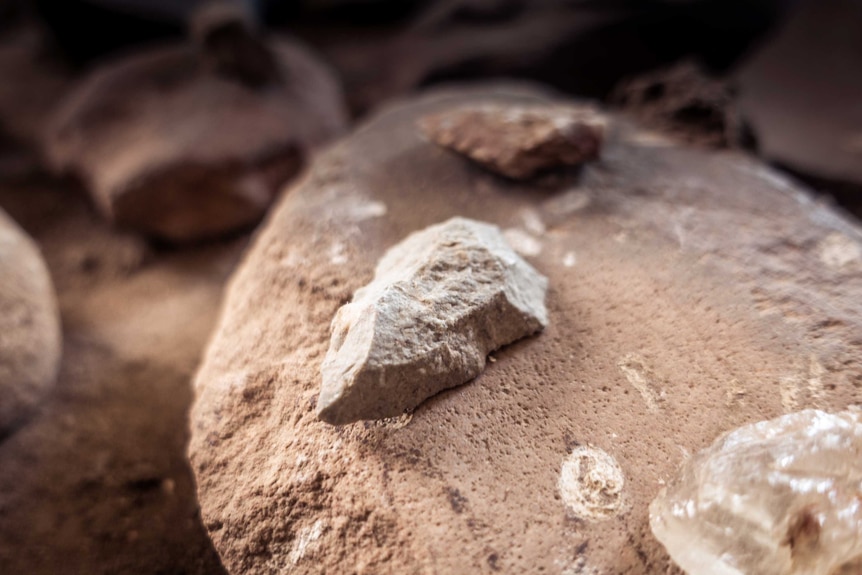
779 497
440 301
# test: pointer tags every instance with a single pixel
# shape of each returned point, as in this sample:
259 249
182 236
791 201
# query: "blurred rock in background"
185 142
801 94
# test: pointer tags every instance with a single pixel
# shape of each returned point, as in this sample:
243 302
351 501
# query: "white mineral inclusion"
778 497
838 251
523 242
591 484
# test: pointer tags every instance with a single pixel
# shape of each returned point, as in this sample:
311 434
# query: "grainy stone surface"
519 141
690 293
170 147
778 497
440 301
30 340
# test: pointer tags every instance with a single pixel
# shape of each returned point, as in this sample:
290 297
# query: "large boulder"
689 293
30 339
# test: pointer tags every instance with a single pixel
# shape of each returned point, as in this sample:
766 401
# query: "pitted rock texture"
177 149
778 497
517 141
440 301
689 293
30 340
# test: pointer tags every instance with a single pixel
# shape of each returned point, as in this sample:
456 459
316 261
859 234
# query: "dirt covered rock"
519 142
690 292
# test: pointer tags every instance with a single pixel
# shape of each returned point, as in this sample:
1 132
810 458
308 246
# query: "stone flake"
440 301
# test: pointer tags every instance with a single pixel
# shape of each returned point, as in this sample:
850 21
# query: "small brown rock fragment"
518 141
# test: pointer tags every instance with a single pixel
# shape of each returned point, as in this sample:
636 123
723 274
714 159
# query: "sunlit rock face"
779 497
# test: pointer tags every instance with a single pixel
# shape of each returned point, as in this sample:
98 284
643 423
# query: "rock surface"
777 497
440 301
30 339
173 148
516 141
690 293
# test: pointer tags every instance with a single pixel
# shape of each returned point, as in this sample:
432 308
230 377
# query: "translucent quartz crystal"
777 497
